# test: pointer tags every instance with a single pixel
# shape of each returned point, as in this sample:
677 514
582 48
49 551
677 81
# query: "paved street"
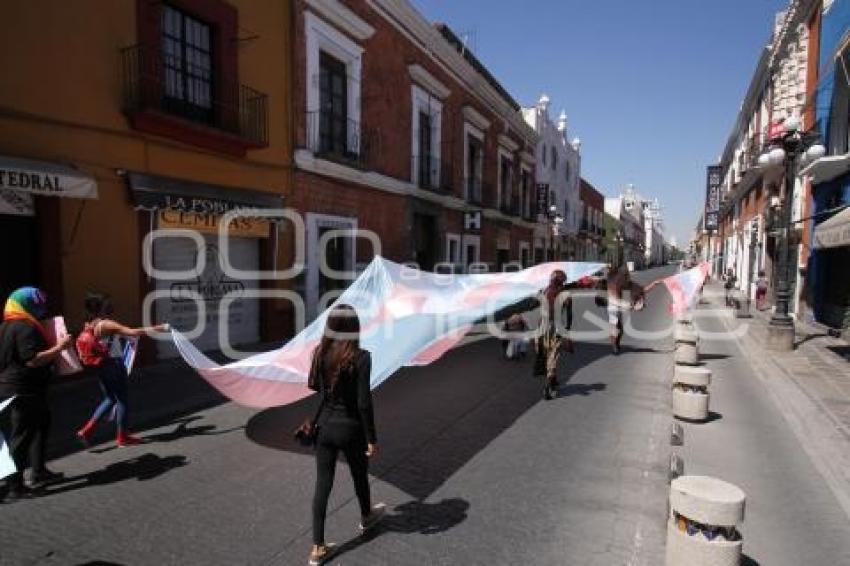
475 469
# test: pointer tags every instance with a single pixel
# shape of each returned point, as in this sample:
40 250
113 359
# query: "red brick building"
591 231
399 130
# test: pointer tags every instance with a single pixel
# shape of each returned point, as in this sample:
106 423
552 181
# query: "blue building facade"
829 269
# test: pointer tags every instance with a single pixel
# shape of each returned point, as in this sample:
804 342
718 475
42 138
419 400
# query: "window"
505 182
567 170
425 156
187 65
544 154
474 167
554 159
333 105
426 138
525 196
453 248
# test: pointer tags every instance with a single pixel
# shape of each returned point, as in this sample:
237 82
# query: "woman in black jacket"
340 373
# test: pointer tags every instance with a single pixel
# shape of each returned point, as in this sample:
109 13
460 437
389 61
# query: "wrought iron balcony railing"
217 101
338 138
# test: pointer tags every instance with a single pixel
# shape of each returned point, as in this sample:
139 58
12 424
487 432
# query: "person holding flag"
99 347
549 342
25 368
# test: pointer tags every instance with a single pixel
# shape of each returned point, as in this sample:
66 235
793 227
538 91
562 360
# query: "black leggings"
30 419
335 435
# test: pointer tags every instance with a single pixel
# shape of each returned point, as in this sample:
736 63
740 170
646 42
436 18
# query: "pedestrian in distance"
26 360
761 290
340 373
100 348
549 342
516 345
729 285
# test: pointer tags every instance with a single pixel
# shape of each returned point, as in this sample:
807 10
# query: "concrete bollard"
702 530
685 333
686 353
690 392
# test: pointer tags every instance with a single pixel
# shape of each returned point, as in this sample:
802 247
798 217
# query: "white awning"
44 178
827 168
834 232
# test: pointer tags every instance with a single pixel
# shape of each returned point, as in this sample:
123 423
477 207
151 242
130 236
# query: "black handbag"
308 432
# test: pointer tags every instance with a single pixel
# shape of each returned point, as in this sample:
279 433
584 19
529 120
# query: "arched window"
544 154
554 159
567 170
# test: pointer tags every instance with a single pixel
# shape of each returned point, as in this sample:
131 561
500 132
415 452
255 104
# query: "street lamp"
555 220
788 149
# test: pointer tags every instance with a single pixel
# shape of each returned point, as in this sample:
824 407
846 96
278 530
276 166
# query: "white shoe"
375 516
325 553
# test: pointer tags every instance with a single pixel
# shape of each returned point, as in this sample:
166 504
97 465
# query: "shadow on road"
141 468
580 389
432 420
414 517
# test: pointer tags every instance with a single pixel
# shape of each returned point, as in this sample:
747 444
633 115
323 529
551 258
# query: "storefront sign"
16 203
712 196
542 201
208 223
834 232
472 221
43 178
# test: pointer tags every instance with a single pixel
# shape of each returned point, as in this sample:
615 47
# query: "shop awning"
44 178
151 192
827 168
834 232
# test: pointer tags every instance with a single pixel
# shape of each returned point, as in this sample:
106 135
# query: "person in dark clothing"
25 368
340 372
550 342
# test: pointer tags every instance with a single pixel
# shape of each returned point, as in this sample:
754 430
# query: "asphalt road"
475 469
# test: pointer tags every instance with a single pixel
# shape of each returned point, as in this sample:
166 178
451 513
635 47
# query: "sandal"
325 553
374 517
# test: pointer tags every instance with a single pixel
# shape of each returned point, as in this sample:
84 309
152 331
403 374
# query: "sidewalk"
811 385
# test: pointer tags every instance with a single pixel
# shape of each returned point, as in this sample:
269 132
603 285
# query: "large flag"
684 288
407 317
7 465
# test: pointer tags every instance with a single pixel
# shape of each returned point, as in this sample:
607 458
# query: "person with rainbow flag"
26 359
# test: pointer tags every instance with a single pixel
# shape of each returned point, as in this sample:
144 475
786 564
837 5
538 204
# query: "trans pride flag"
407 317
684 288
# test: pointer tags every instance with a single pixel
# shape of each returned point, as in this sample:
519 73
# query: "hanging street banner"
542 201
712 196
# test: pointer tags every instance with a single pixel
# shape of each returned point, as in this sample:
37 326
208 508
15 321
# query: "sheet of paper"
7 465
67 363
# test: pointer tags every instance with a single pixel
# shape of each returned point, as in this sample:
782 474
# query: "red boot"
84 433
123 439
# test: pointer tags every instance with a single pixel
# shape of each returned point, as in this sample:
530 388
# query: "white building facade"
558 165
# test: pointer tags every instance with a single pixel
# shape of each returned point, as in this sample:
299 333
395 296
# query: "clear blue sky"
650 86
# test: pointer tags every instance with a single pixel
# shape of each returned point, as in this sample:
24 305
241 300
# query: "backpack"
92 352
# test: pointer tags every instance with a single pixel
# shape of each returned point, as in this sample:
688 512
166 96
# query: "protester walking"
549 343
340 372
25 368
99 348
729 286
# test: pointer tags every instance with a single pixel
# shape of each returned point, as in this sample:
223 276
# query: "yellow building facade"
146 115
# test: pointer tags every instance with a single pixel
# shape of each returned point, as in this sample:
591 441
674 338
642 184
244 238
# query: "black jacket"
20 341
352 396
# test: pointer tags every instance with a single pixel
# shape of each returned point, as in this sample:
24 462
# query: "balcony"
473 188
432 173
221 114
339 139
510 208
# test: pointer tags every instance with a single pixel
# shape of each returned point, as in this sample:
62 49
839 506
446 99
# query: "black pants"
339 434
30 419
